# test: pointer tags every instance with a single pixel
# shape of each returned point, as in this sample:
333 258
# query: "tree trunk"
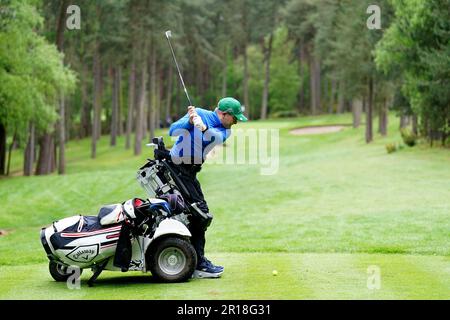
178 101
68 125
119 100
312 86
131 104
315 85
415 124
29 152
168 117
10 152
114 107
318 85
382 125
160 94
429 131
301 66
82 132
198 74
62 114
364 103
369 133
245 83
140 107
356 110
85 119
97 108
314 65
2 149
153 106
100 96
225 72
341 97
324 92
404 121
349 105
61 136
206 81
146 111
61 25
333 94
46 154
265 96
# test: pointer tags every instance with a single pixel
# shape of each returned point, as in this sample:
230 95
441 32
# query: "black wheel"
59 272
172 260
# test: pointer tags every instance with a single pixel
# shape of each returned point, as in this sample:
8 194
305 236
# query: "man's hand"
192 113
191 110
195 119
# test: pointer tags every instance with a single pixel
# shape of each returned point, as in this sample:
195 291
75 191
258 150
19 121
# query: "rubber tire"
57 274
188 250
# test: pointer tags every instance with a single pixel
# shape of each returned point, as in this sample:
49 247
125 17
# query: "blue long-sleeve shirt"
192 145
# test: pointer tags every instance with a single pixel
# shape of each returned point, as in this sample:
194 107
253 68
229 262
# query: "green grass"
335 207
249 276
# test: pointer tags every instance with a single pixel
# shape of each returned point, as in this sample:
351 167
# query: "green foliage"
391 147
256 81
416 48
350 51
31 72
284 77
401 103
285 114
414 54
409 138
234 76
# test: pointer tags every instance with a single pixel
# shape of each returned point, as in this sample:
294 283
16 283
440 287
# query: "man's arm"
188 121
182 123
195 119
216 135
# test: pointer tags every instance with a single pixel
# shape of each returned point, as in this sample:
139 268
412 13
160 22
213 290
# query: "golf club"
168 35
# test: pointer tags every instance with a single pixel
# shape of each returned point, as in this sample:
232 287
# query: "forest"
83 69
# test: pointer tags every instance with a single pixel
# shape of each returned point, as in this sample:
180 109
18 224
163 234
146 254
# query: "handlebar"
158 143
160 152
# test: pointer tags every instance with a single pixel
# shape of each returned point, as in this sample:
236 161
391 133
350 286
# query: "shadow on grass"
122 280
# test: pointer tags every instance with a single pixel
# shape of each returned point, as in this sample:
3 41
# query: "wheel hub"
172 260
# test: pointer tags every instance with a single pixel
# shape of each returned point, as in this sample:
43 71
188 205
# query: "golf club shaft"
178 68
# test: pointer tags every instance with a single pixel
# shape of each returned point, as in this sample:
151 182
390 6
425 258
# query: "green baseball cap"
233 107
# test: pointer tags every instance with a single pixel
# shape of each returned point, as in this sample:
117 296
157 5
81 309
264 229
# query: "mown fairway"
335 207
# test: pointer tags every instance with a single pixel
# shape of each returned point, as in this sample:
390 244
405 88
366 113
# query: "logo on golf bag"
83 253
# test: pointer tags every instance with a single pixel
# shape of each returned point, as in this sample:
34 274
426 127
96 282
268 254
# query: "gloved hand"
198 123
195 119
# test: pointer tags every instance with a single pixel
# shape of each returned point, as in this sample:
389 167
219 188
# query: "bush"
285 114
409 138
391 147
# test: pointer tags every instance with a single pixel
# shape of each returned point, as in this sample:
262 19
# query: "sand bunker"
316 130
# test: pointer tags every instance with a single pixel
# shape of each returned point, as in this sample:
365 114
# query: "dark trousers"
197 225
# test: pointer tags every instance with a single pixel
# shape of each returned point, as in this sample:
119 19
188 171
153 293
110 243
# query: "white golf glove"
198 123
196 120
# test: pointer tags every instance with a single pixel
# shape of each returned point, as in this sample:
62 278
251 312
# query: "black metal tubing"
178 182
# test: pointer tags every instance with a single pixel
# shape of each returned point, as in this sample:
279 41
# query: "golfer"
198 132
